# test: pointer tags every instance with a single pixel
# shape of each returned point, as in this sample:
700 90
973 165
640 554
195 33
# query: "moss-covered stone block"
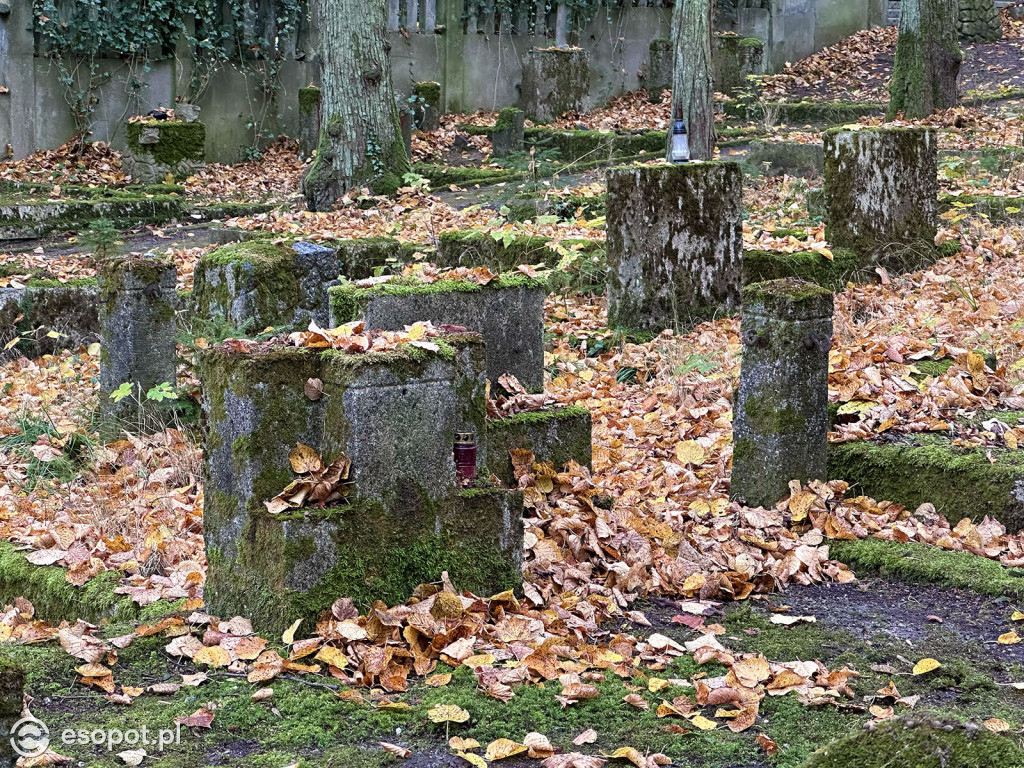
508 312
919 742
555 81
560 435
49 316
507 137
660 63
362 257
734 60
138 301
258 284
675 243
309 120
785 158
845 266
394 415
27 218
881 188
428 105
158 149
473 248
780 413
959 481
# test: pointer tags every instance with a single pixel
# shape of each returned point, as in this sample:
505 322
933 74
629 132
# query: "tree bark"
927 68
360 137
693 93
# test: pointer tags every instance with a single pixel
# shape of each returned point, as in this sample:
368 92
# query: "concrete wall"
477 70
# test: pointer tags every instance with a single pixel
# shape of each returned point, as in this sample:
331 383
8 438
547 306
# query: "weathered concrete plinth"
508 312
675 244
257 284
734 60
52 316
881 190
560 435
780 413
138 302
660 62
395 415
555 81
508 134
428 108
309 120
158 149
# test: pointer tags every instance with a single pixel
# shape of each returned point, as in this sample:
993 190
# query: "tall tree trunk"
693 94
928 57
360 137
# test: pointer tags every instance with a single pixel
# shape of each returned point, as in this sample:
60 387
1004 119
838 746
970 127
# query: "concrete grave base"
560 435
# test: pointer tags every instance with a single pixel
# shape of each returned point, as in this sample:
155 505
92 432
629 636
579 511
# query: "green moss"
309 100
933 368
765 417
145 270
443 176
925 564
178 141
75 282
783 291
430 92
910 743
926 469
751 42
507 119
805 112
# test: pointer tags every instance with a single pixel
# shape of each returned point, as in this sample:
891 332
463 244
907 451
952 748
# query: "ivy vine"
82 37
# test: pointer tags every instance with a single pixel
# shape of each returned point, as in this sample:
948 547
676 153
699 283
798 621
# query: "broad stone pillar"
138 301
555 81
508 135
675 244
780 413
881 187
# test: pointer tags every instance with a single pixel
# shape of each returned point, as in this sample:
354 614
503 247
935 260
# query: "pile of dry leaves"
71 163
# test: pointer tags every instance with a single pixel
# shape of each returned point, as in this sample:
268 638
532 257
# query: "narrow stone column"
780 413
309 120
138 301
428 111
675 244
881 188
660 60
508 135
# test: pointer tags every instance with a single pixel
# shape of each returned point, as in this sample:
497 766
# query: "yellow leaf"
1017 616
289 634
656 684
472 759
460 744
305 460
1008 638
448 713
690 452
545 484
996 725
502 748
333 656
212 656
628 753
925 665
703 723
436 681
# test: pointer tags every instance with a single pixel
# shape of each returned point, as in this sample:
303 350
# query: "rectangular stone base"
28 219
295 566
71 310
960 482
559 436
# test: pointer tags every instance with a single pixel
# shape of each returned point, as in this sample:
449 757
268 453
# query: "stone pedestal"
507 312
158 149
780 413
394 415
257 284
560 435
660 62
979 21
881 188
735 59
508 134
675 244
309 120
555 81
428 105
138 301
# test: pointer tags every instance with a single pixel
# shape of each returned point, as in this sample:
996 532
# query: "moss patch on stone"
309 100
927 469
178 141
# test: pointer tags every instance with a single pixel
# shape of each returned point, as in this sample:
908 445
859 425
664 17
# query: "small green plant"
103 238
48 453
159 393
700 363
415 181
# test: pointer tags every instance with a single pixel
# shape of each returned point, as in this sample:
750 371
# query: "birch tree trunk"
360 137
928 57
693 93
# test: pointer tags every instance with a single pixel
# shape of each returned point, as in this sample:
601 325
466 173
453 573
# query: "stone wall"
475 70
